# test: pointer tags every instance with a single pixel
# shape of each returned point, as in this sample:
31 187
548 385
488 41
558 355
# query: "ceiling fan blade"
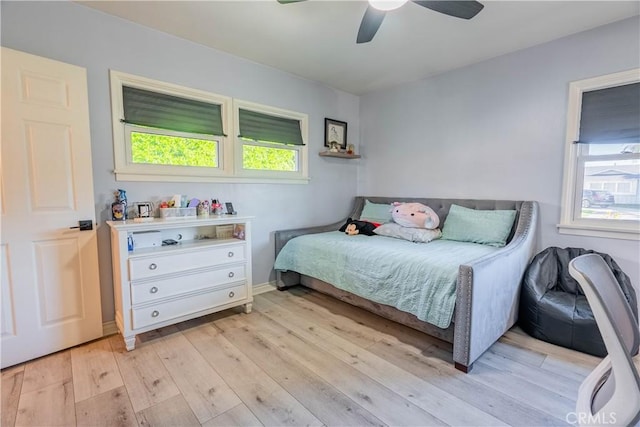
370 23
289 1
459 8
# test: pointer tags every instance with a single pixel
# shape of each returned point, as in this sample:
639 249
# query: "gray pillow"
418 235
488 227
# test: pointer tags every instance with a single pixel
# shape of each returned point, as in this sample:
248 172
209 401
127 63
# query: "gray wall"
494 130
78 35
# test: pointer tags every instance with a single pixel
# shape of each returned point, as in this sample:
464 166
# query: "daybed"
485 292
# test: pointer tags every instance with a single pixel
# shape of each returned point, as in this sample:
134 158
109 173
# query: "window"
165 132
160 147
601 192
270 141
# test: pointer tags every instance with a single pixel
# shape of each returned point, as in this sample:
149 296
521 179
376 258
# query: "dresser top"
159 223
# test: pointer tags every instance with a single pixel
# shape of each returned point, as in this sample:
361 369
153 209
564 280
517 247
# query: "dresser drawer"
161 312
162 288
156 265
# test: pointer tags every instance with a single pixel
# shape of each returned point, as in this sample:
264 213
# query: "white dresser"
208 270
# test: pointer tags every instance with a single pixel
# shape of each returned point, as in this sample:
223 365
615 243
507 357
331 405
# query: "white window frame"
229 151
575 158
126 170
299 176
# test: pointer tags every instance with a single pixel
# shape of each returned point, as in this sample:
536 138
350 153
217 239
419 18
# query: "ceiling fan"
377 9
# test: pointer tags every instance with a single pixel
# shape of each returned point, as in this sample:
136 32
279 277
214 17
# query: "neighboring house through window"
601 192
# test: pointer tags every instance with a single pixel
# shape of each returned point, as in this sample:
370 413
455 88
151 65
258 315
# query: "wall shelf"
340 155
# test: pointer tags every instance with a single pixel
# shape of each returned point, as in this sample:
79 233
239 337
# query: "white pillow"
418 235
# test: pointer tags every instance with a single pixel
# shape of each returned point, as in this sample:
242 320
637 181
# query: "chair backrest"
620 333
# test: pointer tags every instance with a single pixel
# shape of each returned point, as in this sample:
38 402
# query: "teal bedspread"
418 278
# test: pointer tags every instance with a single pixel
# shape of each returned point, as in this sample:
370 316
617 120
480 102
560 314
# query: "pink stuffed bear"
414 215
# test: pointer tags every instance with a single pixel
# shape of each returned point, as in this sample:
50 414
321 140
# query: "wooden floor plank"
321 398
432 368
355 320
314 313
14 369
172 412
564 368
94 370
435 357
519 354
559 361
530 394
518 337
238 416
145 377
11 388
111 408
301 358
148 338
52 405
268 401
360 388
204 390
541 377
52 369
410 387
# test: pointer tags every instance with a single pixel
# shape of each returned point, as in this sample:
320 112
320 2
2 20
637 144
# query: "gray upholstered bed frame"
487 291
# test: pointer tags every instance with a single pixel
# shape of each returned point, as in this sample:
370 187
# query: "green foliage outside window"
267 158
173 150
150 148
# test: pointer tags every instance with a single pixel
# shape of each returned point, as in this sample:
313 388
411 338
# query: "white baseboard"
109 328
264 287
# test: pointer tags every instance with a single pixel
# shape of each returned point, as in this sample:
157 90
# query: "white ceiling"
315 39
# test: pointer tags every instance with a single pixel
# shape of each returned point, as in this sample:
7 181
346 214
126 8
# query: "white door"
50 287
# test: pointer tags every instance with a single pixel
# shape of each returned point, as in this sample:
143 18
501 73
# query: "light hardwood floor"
301 358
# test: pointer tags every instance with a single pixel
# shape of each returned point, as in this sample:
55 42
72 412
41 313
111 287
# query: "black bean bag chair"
553 307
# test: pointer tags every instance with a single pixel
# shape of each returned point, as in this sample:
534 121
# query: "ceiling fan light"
386 5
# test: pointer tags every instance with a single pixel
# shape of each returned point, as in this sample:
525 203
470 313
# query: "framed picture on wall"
335 131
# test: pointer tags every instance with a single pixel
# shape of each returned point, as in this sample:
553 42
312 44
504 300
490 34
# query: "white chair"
610 395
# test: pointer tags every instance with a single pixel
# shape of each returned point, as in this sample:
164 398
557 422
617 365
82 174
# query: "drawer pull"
155 313
230 254
153 290
231 294
231 274
153 266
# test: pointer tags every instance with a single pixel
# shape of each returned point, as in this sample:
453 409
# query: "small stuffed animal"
353 227
414 215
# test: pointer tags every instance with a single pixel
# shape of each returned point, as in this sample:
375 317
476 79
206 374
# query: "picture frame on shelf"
335 131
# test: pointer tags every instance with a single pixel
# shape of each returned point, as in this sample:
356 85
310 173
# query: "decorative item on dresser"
202 272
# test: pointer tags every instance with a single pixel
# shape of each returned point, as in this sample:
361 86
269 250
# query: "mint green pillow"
376 212
488 227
